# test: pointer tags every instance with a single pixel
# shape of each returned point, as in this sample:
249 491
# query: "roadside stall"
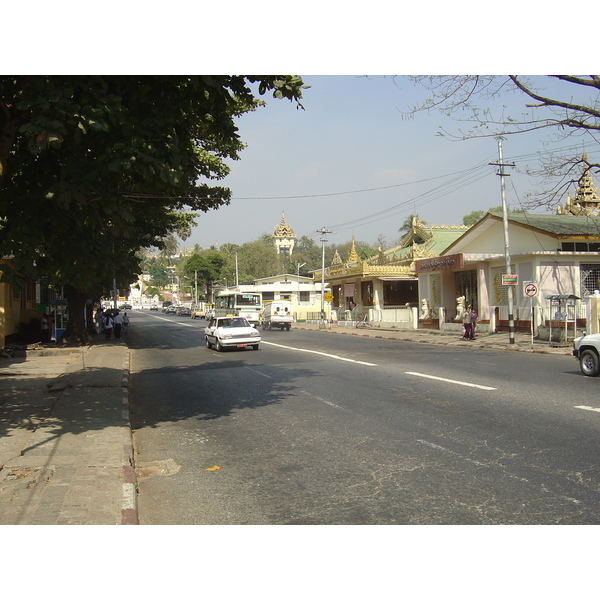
563 308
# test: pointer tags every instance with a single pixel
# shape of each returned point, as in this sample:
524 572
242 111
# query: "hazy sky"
352 162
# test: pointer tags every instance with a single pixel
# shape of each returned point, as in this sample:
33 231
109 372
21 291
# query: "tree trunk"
76 333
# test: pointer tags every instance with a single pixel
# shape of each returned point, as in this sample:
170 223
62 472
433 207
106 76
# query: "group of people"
469 321
111 321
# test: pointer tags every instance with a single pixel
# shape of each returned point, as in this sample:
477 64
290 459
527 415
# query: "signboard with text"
510 279
439 263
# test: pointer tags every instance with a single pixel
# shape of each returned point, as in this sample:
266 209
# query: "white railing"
394 315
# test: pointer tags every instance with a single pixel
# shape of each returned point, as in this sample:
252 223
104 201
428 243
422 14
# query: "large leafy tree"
204 268
93 168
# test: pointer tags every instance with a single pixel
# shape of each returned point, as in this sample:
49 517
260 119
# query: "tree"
94 168
205 267
258 259
564 104
408 224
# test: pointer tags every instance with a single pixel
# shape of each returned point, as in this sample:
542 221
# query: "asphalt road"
327 429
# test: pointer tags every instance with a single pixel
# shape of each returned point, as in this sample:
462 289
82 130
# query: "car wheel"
254 346
589 363
208 344
288 327
218 346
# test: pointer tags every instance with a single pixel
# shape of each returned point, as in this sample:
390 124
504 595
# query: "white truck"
586 349
278 313
198 311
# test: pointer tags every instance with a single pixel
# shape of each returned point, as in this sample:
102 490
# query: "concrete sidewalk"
66 453
495 341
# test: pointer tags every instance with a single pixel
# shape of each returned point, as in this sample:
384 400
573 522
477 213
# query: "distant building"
304 293
284 238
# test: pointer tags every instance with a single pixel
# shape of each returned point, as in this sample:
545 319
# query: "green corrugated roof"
441 239
559 225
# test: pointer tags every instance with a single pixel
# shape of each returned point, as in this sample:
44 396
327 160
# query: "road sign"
510 279
530 289
328 297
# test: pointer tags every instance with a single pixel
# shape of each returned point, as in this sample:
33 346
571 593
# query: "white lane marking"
448 451
171 321
481 387
258 372
359 362
588 408
321 400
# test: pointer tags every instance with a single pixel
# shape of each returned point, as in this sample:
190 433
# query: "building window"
590 279
305 297
465 284
400 293
580 247
268 295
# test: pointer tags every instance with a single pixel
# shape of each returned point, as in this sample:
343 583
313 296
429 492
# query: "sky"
353 163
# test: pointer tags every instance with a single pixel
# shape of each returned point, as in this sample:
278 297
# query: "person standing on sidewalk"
467 324
473 323
125 322
118 325
45 330
108 326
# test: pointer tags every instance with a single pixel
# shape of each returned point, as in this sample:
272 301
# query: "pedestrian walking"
467 324
99 320
125 322
108 326
118 325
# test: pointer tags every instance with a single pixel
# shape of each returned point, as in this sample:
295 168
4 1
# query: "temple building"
284 238
388 280
586 201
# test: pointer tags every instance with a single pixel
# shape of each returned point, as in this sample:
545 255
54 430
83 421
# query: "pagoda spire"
353 257
586 201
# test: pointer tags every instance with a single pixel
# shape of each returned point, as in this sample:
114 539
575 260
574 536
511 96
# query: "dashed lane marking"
454 381
588 408
335 356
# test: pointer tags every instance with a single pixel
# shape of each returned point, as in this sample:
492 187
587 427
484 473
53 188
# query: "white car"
230 332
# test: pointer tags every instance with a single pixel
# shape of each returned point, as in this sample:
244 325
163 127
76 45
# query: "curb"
489 345
129 505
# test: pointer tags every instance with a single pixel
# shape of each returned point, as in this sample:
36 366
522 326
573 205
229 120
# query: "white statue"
425 309
460 307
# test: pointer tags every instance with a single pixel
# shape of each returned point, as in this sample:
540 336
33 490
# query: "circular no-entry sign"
530 289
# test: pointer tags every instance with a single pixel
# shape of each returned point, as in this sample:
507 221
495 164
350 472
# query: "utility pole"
323 233
236 271
502 174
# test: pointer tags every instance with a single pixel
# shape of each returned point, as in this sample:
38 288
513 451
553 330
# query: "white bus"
239 304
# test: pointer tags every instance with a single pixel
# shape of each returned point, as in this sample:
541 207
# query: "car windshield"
239 322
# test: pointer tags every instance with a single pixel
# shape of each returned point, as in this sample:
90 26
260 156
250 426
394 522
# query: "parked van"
278 313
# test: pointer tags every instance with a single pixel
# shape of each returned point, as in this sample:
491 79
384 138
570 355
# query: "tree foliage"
93 168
